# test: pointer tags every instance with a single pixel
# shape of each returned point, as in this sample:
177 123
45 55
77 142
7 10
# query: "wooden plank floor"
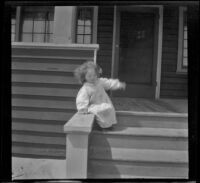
150 105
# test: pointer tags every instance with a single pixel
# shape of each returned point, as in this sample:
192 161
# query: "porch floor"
151 105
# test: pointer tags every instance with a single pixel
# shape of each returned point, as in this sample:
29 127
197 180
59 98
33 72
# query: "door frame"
115 43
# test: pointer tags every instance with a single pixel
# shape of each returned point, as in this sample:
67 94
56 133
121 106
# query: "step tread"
138 131
138 155
130 176
111 176
146 113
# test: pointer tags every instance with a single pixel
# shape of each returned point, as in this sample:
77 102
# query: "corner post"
77 131
77 155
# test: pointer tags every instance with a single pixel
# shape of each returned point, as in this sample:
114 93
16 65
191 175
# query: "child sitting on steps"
92 97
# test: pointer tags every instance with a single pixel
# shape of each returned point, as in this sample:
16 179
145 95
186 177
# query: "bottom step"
119 169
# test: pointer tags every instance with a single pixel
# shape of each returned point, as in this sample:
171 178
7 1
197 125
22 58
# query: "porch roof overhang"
103 3
153 2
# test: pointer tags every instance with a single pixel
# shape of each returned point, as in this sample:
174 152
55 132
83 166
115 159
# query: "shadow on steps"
94 162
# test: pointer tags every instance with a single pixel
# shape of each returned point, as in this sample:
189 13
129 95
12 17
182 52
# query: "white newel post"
77 131
76 155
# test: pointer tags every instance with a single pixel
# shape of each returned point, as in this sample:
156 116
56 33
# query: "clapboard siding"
104 39
173 84
43 97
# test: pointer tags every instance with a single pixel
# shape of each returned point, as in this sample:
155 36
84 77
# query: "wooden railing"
77 131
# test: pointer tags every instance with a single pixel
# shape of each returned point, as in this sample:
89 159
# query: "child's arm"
82 101
112 84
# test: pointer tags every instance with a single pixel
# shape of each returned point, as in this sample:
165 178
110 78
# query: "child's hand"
123 85
83 111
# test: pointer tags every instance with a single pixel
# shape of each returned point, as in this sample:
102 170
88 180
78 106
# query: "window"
183 41
13 24
84 24
35 24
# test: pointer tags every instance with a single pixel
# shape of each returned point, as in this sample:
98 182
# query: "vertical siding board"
173 84
104 39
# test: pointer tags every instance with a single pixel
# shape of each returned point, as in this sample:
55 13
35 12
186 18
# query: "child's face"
91 76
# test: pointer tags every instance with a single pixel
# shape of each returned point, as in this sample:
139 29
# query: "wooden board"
43 66
136 141
35 139
41 115
55 104
20 150
42 128
44 91
112 169
53 52
41 78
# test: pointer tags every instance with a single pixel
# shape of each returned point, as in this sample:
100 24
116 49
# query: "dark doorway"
137 55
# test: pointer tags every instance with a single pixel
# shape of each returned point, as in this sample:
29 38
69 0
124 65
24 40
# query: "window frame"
94 24
18 27
180 68
17 23
15 12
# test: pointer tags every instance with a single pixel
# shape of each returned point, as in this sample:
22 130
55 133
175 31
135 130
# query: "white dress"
92 98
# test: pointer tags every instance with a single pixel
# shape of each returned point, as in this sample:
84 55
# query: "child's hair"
81 71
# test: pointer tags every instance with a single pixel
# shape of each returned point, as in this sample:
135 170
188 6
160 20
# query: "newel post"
77 131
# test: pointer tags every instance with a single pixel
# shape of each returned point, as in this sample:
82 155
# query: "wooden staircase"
141 145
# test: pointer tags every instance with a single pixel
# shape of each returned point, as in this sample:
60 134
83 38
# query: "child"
92 97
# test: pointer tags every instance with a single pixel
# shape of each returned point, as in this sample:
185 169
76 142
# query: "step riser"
138 142
152 121
114 169
141 155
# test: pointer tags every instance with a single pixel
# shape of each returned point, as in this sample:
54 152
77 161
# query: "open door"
137 53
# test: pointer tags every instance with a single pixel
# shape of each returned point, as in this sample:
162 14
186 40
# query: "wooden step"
142 138
41 103
37 139
44 91
163 132
138 152
42 115
139 155
40 128
39 151
41 78
121 169
153 119
41 66
137 163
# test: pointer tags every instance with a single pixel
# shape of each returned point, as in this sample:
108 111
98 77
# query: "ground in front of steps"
31 168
